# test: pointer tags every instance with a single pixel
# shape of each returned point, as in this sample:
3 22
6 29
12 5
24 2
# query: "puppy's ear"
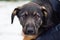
15 11
44 10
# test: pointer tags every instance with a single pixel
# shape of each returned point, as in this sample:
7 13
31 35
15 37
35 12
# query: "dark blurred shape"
52 34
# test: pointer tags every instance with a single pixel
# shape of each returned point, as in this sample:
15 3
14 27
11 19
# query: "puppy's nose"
30 30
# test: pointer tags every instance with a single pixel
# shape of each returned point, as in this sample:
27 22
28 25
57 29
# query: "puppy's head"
32 17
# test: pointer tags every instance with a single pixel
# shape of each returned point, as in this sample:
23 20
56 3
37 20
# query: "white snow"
9 31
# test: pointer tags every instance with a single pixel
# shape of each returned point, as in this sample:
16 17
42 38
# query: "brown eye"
36 14
36 17
24 14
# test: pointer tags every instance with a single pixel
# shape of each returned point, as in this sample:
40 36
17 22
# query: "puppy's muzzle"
30 30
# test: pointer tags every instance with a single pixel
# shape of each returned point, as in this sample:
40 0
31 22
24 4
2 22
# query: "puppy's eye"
24 14
37 15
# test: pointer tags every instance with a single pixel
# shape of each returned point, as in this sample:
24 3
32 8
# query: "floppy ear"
44 10
45 14
16 10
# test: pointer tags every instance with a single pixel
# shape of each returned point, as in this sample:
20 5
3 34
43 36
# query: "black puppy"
38 16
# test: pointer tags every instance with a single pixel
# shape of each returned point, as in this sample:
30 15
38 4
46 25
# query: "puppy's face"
31 22
31 18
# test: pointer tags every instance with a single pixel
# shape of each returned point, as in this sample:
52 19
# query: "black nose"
30 30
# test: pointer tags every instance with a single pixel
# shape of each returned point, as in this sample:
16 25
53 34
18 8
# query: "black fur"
51 34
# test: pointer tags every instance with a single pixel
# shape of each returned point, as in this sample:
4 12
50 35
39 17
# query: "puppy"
37 17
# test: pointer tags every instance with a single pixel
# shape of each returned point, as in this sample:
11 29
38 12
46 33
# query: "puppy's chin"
29 36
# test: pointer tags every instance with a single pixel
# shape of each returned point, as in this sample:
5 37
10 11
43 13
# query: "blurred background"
10 31
15 0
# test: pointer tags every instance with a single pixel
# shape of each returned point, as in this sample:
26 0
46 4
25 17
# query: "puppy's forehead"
30 8
31 4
